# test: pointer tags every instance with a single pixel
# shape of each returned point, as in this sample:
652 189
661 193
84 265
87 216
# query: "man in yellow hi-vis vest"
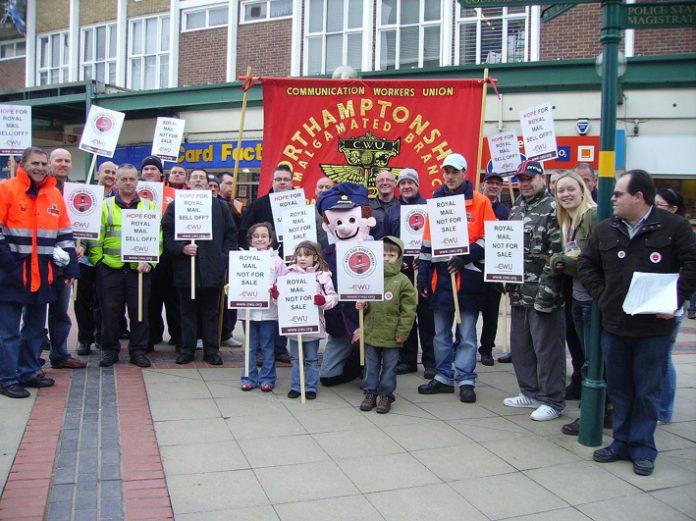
117 281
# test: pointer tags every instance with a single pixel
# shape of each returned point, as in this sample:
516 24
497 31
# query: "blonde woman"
577 217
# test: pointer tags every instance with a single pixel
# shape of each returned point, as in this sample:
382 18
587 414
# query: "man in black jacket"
211 262
639 238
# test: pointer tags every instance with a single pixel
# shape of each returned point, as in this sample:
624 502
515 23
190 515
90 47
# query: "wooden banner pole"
415 284
300 360
242 117
90 172
13 166
481 129
221 312
506 342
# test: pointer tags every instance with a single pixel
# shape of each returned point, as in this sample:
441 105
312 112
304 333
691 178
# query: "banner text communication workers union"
350 130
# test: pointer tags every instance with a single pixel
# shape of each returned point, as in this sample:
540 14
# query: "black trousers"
162 292
86 309
490 307
423 328
577 352
118 289
229 321
203 310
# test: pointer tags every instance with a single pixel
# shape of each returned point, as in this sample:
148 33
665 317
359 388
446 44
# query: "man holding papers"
639 238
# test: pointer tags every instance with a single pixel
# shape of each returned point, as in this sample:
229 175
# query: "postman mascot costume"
346 217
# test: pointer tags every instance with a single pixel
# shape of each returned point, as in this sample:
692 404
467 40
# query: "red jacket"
33 220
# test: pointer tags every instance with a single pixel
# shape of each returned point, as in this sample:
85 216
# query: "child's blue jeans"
261 342
380 370
310 353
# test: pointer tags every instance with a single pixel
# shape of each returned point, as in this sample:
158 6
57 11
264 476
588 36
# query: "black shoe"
310 395
467 394
185 358
15 391
405 369
38 381
83 349
293 394
283 359
505 359
140 360
213 359
643 467
435 387
487 359
429 373
572 392
572 428
605 455
108 359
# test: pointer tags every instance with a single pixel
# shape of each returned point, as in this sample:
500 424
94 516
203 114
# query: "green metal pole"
593 386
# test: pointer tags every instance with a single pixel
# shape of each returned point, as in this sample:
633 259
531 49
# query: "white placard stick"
247 334
457 314
193 274
140 296
300 360
506 342
415 283
74 284
90 172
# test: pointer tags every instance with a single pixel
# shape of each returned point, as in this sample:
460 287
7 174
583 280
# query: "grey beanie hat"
408 173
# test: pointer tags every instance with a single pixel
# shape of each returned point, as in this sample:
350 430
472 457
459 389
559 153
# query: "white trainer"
521 401
544 413
231 342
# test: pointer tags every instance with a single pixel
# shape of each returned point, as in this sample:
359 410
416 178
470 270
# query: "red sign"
350 130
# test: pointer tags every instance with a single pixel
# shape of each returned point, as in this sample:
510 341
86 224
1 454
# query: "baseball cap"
530 168
455 161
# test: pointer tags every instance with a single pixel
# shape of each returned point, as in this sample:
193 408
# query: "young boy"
387 324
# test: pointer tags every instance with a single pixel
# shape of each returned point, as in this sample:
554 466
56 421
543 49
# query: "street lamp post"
593 385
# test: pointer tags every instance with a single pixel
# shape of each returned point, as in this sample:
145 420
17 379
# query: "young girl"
263 323
308 259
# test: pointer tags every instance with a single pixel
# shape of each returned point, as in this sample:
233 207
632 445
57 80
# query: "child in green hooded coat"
387 325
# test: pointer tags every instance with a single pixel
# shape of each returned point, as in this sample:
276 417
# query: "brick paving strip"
89 452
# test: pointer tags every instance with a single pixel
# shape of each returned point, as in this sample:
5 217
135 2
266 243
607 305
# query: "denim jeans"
59 322
380 370
634 373
336 352
669 379
20 349
461 351
261 337
310 355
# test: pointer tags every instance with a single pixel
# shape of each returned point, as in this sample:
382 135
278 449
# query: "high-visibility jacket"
107 248
33 220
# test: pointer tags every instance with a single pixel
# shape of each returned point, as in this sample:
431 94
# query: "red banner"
350 130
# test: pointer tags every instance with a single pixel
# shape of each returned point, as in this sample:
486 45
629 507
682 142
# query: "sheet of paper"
651 293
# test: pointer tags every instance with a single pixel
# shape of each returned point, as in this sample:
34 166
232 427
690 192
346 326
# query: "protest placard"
102 128
504 255
360 270
250 279
505 153
152 191
193 215
15 129
449 234
282 201
297 312
538 132
84 205
413 218
168 135
140 233
300 224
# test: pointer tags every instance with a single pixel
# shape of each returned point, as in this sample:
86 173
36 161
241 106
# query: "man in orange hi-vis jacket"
435 284
35 238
